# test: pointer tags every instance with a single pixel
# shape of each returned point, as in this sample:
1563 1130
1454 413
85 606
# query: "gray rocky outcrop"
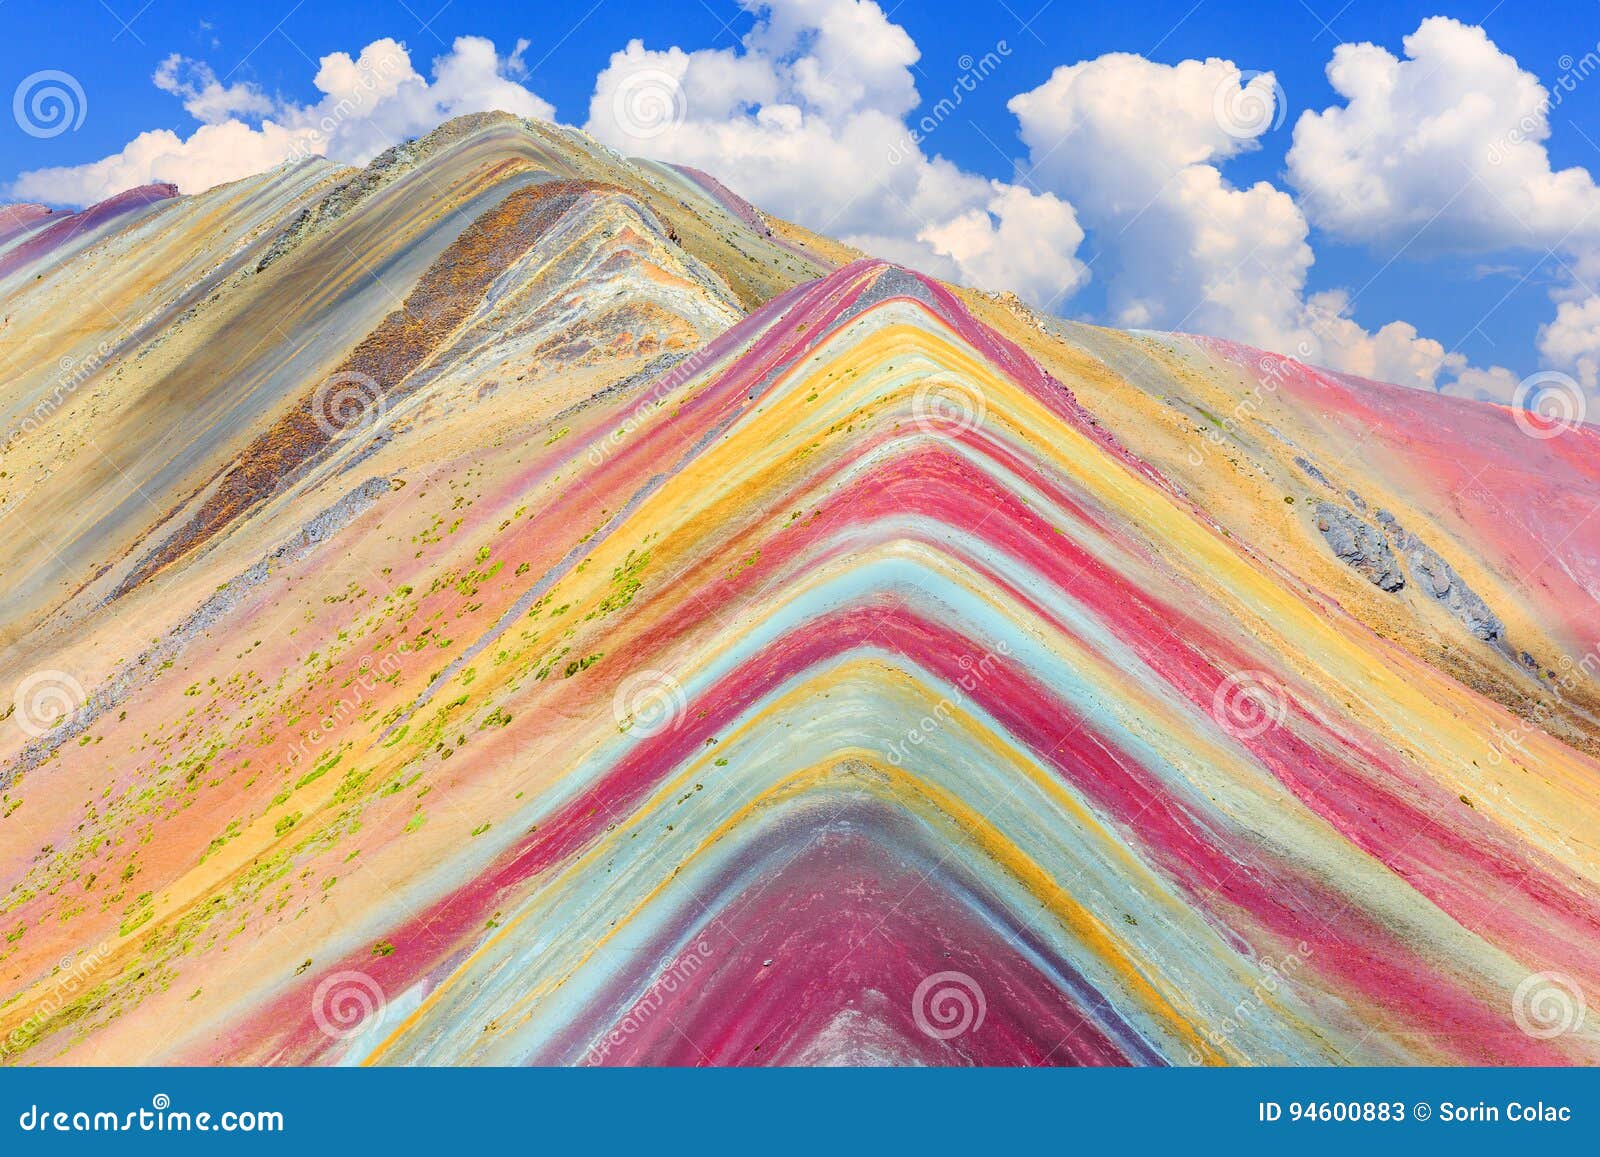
1437 578
1386 553
1360 545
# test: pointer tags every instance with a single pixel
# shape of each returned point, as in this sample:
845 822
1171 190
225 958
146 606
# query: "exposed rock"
286 240
380 171
1438 578
1311 471
1360 545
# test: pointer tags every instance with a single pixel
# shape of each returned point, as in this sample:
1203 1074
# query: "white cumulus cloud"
816 116
1444 151
1441 150
807 118
368 103
1138 147
206 98
1571 341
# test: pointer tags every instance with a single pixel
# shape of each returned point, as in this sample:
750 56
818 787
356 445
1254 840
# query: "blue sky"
1481 297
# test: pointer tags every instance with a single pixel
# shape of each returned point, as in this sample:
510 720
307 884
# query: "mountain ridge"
624 549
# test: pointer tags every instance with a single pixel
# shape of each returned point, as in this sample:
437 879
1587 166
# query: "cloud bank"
367 104
816 115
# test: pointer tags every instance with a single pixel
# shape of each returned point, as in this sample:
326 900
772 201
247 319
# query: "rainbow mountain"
515 604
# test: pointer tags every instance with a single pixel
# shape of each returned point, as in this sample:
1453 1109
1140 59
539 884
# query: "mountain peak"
535 599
